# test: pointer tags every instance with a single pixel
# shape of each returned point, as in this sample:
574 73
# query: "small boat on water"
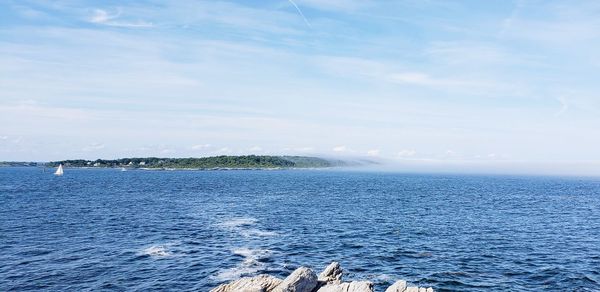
123 169
59 170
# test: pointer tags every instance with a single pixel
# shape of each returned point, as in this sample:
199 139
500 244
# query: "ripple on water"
94 228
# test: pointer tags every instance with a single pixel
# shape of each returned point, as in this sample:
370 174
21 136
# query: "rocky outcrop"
301 280
331 274
399 286
260 283
359 286
305 280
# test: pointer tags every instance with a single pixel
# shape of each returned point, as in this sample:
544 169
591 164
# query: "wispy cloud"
373 152
423 79
101 16
255 149
406 153
335 5
245 74
341 148
201 147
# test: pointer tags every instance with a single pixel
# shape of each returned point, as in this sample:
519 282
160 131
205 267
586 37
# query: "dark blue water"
192 230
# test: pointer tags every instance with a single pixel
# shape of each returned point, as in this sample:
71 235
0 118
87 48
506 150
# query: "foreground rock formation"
305 280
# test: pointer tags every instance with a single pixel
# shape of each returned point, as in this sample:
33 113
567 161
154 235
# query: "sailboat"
59 171
123 169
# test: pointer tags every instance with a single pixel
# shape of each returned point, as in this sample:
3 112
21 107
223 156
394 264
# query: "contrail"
301 14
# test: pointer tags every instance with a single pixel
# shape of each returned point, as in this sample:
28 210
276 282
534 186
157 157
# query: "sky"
510 86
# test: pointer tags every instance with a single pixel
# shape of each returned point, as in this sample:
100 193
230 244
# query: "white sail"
59 171
123 169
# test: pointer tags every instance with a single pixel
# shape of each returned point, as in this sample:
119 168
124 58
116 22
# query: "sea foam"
245 227
156 251
238 222
249 265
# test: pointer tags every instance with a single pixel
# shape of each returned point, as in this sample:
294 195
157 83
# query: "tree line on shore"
224 161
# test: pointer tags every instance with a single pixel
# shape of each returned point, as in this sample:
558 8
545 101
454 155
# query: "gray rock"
331 274
261 283
399 286
359 286
301 280
412 289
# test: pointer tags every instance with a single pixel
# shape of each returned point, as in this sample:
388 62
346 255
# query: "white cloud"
255 149
201 146
422 79
101 16
299 149
334 5
224 150
373 152
341 148
406 153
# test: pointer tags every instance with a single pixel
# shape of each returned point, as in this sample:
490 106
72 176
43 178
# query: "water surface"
192 230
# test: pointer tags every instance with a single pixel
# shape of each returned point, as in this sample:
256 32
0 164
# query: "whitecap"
156 251
234 273
238 222
385 278
244 227
252 254
251 264
256 232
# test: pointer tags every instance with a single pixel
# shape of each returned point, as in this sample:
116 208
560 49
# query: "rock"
359 286
399 286
331 274
301 280
305 280
261 283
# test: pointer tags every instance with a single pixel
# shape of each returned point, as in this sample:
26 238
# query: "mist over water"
193 230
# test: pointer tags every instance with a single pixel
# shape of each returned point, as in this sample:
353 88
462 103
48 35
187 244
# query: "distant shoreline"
245 162
42 166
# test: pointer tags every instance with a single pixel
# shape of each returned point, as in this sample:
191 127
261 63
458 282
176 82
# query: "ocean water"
192 230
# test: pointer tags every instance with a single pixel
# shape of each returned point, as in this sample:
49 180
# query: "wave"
243 226
256 232
238 222
252 254
158 251
385 278
251 264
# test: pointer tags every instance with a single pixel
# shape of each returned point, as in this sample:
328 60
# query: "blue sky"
509 85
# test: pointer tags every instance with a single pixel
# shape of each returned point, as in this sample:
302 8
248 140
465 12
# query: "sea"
109 230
